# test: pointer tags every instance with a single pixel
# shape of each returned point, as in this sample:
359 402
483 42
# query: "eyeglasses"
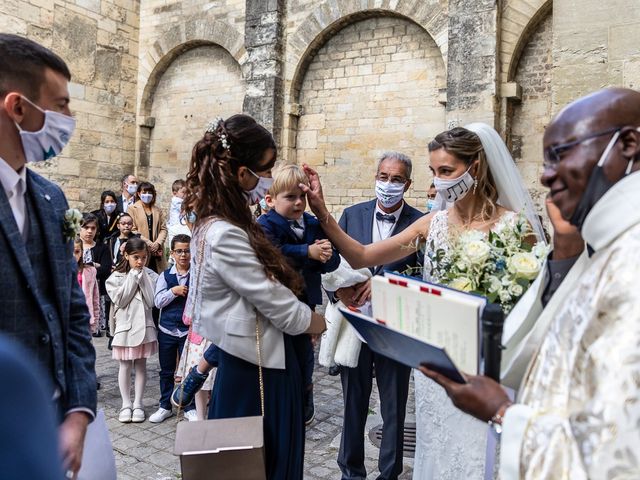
394 179
553 155
179 251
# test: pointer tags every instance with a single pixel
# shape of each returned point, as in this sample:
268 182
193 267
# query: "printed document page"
449 322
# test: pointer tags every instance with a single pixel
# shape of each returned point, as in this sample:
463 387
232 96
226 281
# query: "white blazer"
232 291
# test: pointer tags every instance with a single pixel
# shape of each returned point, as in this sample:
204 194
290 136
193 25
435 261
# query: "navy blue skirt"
236 393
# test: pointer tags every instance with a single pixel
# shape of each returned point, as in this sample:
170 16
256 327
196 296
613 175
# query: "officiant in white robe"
577 415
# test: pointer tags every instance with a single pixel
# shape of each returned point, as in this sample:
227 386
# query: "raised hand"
315 197
567 241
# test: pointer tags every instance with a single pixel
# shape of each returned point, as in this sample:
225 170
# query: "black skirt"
236 393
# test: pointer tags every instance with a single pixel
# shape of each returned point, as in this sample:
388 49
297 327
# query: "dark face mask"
597 186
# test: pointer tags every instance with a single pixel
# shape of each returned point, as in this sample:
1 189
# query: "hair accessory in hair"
217 128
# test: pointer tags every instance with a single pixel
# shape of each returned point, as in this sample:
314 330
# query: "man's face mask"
49 141
597 186
389 193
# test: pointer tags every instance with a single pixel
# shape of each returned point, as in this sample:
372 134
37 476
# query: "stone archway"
177 41
528 116
374 85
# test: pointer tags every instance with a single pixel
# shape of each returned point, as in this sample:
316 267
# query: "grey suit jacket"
68 339
232 291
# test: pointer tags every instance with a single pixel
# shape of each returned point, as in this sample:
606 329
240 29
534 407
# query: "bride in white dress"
478 186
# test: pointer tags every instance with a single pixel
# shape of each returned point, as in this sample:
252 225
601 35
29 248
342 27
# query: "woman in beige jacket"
131 288
242 289
150 224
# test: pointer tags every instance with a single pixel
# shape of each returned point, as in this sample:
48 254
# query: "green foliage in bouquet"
499 265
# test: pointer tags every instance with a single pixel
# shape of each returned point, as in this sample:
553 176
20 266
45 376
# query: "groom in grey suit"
42 305
369 222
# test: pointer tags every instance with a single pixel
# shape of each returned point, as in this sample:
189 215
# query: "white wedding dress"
450 445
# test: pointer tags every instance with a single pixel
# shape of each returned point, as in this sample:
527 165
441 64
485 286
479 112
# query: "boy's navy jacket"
279 231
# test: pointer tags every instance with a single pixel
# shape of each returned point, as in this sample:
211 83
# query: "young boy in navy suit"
302 240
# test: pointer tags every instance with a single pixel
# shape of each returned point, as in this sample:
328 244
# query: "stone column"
264 43
472 62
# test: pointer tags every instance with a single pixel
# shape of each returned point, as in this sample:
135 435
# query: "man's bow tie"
382 217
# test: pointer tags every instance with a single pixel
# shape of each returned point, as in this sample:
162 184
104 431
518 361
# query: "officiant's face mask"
597 185
49 141
454 189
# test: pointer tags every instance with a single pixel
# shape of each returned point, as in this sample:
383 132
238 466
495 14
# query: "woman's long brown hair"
213 188
466 146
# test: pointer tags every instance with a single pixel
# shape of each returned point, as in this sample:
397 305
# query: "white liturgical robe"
578 412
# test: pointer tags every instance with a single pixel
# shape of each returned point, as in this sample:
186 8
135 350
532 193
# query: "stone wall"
199 85
532 113
595 44
372 87
337 81
99 41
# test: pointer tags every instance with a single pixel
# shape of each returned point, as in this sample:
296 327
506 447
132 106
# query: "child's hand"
321 251
180 290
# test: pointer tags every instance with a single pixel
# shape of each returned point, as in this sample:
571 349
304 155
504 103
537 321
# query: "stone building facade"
337 81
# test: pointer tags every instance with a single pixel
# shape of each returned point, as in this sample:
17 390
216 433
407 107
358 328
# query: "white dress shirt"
382 230
127 202
15 187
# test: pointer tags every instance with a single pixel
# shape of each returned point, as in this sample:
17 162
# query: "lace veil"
512 194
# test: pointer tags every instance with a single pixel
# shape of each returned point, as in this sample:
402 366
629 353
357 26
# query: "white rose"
461 283
540 250
516 290
504 296
524 265
494 284
477 251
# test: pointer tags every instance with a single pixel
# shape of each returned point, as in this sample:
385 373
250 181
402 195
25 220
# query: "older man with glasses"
370 222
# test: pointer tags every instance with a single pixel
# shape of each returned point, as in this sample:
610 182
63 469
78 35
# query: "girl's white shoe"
125 415
138 415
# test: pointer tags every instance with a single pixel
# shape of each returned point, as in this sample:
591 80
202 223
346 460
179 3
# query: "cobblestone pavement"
144 451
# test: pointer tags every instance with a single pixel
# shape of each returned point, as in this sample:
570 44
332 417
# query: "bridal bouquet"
499 265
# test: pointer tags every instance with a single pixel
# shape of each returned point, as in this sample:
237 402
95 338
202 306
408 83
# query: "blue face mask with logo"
431 204
49 141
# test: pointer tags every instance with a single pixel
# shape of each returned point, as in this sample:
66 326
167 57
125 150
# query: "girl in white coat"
131 288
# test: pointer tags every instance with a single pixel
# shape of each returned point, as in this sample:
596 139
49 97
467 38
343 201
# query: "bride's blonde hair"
466 146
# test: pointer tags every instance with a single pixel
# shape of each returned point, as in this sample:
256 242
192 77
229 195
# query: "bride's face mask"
451 189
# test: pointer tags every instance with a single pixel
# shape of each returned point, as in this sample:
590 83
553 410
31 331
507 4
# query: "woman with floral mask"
150 224
478 188
107 214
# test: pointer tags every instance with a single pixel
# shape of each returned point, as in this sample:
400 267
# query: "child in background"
87 278
131 288
177 224
171 292
301 239
178 189
115 242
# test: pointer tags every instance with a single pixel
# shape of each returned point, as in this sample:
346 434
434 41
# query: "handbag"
226 448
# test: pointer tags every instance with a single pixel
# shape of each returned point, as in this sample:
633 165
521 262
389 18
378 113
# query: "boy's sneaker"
191 415
161 415
309 409
184 393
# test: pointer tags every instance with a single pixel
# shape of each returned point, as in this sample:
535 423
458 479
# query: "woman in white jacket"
243 290
131 289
